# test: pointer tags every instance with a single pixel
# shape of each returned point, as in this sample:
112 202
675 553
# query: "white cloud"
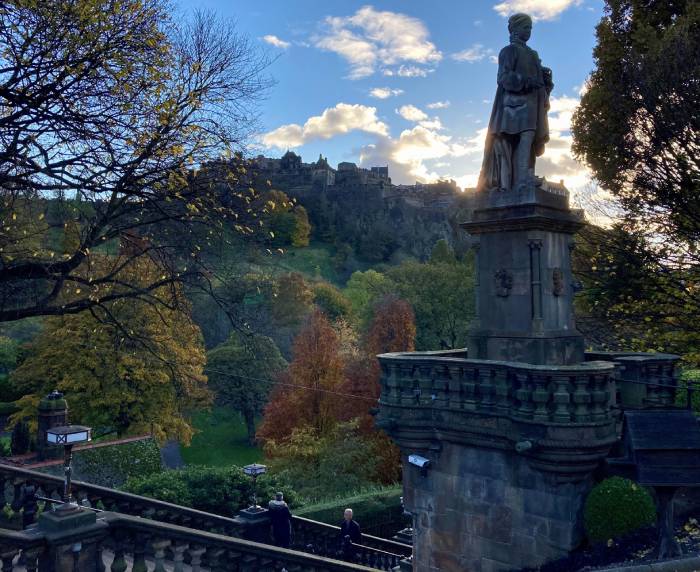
474 54
337 120
433 123
478 23
408 71
411 113
538 9
438 105
276 42
372 39
384 92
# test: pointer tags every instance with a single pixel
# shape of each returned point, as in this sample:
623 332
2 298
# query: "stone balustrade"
643 379
124 543
428 383
19 488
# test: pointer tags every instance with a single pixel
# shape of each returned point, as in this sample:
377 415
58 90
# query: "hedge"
616 507
378 510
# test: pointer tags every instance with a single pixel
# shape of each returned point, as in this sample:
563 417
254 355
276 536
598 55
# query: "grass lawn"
310 260
221 440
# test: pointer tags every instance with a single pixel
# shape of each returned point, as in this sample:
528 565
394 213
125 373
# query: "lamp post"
254 471
68 436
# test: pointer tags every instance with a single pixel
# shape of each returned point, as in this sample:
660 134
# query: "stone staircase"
129 532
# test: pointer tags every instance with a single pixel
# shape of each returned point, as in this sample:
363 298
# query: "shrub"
219 490
615 507
21 439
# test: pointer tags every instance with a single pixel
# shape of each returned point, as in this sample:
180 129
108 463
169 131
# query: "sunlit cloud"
476 53
384 92
338 120
276 42
371 39
538 9
438 105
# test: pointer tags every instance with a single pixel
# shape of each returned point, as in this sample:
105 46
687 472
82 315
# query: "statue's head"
520 26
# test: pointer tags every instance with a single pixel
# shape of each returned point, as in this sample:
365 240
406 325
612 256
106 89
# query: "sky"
408 83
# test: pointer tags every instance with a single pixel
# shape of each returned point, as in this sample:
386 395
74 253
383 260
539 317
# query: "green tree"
291 300
442 297
331 301
639 131
239 372
364 290
148 377
442 253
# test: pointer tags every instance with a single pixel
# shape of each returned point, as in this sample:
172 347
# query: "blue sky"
408 83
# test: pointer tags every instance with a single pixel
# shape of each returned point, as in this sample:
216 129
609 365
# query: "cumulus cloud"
275 41
337 120
438 105
384 92
538 9
371 39
476 53
411 113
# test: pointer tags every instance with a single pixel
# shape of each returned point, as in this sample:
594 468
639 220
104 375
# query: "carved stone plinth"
524 290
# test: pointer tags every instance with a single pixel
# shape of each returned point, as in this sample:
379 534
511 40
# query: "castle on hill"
293 175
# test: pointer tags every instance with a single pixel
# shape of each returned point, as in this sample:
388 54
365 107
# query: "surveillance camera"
418 461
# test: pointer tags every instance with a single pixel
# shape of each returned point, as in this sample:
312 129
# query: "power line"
294 385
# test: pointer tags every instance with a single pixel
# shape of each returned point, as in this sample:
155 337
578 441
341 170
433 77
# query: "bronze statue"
518 126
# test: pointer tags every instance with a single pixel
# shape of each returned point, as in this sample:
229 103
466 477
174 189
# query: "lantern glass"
255 469
68 435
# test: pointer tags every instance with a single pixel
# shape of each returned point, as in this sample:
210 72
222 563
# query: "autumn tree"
147 378
240 372
306 393
332 301
291 299
107 109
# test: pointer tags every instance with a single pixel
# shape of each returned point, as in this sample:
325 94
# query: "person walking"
281 520
350 535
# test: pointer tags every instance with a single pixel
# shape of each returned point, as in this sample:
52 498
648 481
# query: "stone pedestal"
524 291
53 412
73 540
254 524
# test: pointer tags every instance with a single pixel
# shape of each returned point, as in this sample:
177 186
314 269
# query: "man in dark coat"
281 520
518 127
350 535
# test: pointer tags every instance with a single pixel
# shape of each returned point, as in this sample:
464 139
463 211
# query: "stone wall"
480 510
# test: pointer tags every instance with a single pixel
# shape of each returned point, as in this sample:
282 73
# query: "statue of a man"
518 126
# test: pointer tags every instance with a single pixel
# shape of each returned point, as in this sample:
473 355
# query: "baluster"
524 395
581 398
179 555
469 388
100 556
216 559
31 558
3 482
119 546
196 555
139 564
600 396
7 556
502 388
17 500
454 386
540 397
159 547
29 505
561 399
486 388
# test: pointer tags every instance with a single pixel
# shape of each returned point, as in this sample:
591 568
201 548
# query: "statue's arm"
508 78
548 83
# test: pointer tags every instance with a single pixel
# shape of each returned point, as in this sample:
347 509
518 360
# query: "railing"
25 486
121 543
435 381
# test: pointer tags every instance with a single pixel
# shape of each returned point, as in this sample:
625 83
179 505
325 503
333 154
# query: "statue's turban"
518 20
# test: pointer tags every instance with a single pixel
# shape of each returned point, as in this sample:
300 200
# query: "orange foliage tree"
303 397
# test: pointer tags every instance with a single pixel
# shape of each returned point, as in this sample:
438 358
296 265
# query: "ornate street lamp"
68 436
254 471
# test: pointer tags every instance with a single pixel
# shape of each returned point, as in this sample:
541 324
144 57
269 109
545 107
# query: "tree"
393 328
146 378
291 299
639 131
364 289
239 372
288 221
442 297
306 393
331 301
442 253
106 109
